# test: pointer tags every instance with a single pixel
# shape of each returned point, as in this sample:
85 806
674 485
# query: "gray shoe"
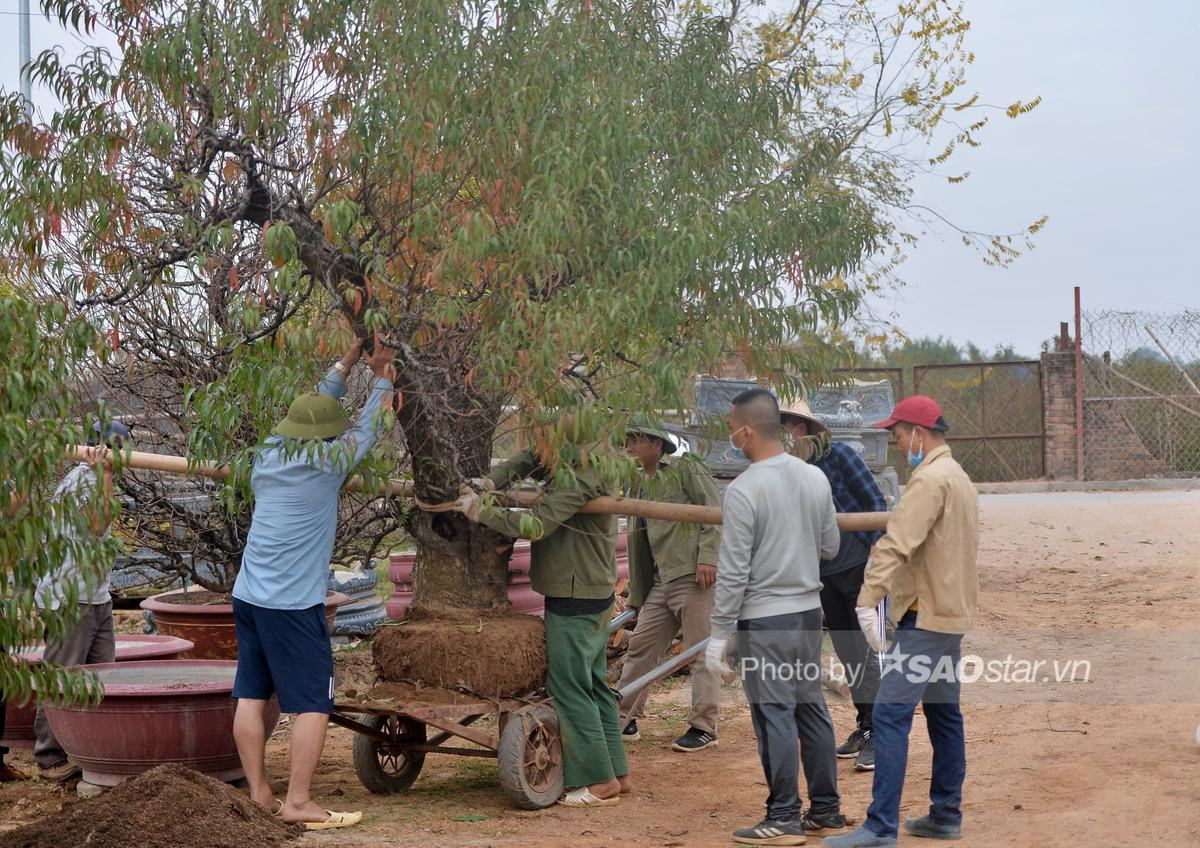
928 828
768 832
860 838
851 746
866 754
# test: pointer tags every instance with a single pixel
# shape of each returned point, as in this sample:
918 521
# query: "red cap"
919 410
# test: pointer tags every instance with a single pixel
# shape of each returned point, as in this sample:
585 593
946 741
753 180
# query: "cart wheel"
531 770
384 768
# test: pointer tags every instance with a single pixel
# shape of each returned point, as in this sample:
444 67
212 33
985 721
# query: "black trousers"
839 596
780 661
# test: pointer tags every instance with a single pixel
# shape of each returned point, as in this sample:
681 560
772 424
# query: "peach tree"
540 205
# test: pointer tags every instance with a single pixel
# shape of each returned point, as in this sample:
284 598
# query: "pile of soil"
167 807
495 655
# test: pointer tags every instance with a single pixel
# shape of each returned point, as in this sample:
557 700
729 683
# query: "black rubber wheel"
531 764
386 768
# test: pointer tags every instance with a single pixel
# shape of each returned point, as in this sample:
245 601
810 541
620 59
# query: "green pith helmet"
655 429
313 416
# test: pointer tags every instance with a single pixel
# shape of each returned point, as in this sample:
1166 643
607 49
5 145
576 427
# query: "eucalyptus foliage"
542 206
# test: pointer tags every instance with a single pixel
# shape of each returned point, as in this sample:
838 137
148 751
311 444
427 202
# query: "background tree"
540 205
38 346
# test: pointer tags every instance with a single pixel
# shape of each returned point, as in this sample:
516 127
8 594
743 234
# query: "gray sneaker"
860 838
768 832
829 823
866 754
851 746
928 828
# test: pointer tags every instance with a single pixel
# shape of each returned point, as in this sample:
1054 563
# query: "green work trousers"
586 707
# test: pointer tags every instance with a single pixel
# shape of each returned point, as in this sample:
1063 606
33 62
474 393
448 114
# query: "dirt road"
1107 580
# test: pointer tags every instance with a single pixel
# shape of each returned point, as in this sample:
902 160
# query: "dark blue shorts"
284 653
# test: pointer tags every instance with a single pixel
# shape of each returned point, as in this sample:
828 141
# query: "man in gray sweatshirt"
779 523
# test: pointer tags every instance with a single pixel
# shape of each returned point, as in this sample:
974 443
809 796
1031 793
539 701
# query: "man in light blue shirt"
279 596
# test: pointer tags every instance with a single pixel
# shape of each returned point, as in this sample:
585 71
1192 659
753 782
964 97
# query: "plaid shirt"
854 487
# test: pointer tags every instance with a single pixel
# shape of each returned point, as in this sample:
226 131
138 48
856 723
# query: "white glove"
714 656
868 620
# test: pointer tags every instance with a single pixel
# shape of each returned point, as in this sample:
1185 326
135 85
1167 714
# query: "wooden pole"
849 522
1079 466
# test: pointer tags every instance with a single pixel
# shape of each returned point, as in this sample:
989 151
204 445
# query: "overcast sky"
1105 156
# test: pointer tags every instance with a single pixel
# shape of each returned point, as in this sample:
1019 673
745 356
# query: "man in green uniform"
672 569
574 565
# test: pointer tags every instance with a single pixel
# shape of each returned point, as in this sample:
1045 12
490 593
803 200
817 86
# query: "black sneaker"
768 832
829 823
866 754
630 733
697 740
852 745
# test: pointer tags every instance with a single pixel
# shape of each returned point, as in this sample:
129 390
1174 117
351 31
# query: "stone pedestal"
843 411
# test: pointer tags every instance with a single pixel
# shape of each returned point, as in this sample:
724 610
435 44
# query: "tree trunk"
460 566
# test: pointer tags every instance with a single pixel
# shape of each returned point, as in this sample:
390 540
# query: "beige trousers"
669 606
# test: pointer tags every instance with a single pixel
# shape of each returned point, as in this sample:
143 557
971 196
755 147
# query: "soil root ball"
167 807
493 656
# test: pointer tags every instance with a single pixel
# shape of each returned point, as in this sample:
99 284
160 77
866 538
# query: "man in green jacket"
672 569
574 564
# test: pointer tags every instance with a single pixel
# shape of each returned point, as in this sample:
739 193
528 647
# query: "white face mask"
737 452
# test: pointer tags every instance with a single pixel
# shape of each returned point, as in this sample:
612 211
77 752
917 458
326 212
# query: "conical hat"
799 408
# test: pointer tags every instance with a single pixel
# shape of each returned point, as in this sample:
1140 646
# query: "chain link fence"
1140 379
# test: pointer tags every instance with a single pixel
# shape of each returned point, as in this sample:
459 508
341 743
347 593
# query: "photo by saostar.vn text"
969 668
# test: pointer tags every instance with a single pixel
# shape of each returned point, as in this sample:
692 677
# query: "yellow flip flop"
335 821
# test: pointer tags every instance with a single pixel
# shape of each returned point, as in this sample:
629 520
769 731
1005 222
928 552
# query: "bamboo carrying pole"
847 521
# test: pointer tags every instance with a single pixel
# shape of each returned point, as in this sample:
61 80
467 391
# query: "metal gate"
997 428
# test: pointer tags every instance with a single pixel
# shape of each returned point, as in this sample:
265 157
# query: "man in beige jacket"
926 563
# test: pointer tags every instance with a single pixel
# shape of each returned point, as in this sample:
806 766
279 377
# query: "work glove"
468 504
714 657
868 620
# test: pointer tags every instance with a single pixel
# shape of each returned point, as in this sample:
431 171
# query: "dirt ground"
1110 579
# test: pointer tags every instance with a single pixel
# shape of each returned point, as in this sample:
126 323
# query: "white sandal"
583 797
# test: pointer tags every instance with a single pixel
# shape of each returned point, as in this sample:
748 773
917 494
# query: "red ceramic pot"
209 626
154 712
18 726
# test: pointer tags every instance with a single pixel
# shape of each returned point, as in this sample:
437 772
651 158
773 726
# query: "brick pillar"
1058 404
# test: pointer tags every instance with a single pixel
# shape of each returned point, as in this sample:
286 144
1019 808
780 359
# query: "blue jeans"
927 672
